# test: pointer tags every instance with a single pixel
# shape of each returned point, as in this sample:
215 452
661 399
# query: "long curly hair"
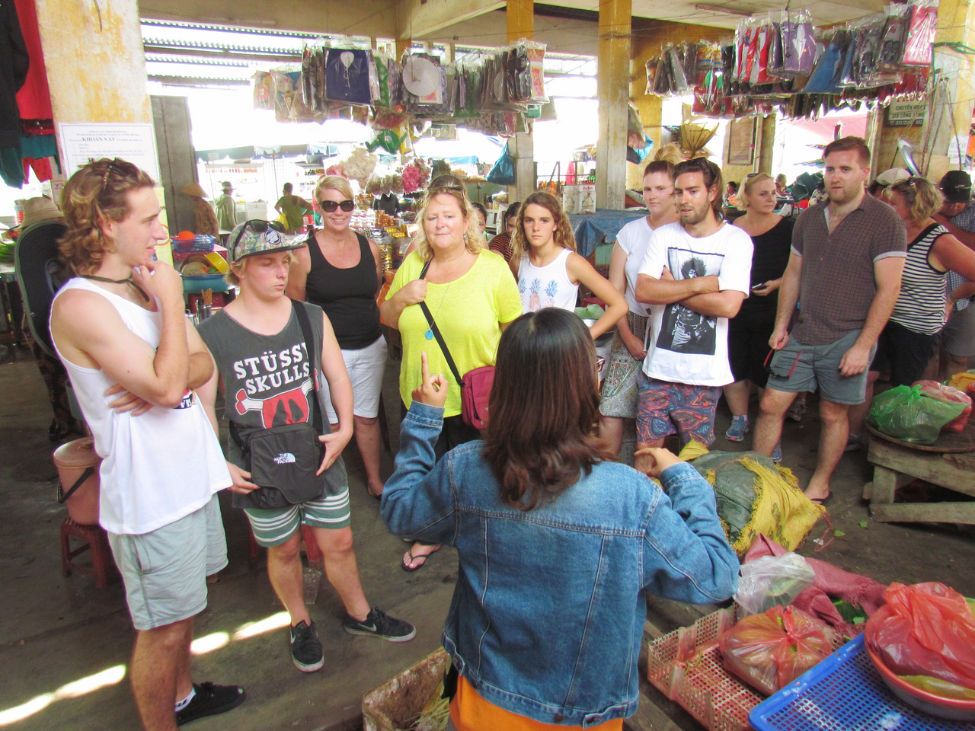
544 408
563 231
473 238
94 195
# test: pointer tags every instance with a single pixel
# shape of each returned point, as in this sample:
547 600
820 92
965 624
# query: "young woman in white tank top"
547 268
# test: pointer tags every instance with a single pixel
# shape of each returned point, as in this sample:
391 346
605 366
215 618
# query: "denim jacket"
547 616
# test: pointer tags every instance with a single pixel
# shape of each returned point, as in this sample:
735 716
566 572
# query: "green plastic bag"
905 414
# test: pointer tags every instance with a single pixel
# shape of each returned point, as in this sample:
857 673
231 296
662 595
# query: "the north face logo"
284 458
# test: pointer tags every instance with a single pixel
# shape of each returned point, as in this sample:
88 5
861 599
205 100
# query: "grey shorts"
813 366
958 336
165 570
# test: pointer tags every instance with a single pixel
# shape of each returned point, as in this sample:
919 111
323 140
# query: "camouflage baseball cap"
260 237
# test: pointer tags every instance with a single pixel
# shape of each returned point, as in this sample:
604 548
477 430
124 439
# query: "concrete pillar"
96 68
95 64
613 87
949 111
520 18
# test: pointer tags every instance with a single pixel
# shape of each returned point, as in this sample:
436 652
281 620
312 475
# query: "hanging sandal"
417 558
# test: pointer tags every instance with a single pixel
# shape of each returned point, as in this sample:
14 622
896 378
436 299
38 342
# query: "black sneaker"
306 648
380 624
210 700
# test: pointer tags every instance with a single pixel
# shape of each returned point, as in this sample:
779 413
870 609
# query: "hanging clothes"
14 64
347 76
34 98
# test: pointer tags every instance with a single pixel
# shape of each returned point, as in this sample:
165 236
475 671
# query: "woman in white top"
619 393
548 269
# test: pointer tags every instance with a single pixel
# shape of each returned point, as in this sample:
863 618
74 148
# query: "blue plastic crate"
842 693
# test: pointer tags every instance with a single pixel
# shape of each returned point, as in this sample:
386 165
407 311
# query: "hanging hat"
956 186
40 209
894 175
259 237
194 189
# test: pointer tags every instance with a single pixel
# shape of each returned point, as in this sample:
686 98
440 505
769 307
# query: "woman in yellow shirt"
472 296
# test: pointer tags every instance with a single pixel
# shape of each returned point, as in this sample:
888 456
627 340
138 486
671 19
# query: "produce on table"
926 630
770 650
948 395
905 413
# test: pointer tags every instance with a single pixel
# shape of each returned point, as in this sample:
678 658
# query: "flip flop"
822 500
417 558
374 495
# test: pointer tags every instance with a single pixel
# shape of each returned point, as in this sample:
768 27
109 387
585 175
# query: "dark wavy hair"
563 235
94 195
712 178
544 408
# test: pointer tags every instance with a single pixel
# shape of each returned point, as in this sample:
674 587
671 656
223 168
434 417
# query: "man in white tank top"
134 362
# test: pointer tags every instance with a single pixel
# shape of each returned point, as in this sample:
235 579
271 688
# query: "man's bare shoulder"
80 315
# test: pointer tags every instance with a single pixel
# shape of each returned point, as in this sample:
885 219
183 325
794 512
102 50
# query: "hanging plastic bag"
922 26
770 650
892 39
503 172
263 90
773 581
925 629
905 414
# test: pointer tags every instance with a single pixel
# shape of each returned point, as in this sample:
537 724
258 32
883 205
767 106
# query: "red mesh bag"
770 650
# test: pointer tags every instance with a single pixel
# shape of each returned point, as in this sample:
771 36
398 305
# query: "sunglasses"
256 224
108 172
330 206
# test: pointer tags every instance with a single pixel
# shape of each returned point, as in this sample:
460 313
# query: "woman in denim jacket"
557 544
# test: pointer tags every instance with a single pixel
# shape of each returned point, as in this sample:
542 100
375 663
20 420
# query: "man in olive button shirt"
845 270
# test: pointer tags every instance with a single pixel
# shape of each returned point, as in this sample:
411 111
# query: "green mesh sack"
754 495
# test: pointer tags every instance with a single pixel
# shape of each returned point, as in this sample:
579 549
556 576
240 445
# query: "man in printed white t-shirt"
695 275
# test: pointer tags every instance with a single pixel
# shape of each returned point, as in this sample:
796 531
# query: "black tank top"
348 296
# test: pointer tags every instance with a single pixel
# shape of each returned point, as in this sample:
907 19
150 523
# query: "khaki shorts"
799 368
165 571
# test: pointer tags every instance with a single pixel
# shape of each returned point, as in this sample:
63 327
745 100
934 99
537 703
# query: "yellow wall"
95 64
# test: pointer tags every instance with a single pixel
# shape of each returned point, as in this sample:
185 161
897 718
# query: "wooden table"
949 462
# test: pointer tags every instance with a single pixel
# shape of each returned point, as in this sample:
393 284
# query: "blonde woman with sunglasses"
341 272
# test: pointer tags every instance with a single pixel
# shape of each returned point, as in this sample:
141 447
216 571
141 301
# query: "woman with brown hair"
558 545
341 272
472 297
549 270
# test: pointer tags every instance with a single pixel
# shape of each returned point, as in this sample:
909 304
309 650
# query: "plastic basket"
686 666
844 692
201 243
396 704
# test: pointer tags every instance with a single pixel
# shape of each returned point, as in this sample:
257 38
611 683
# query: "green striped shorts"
274 527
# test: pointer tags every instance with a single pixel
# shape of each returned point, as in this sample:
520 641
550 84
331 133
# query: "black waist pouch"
283 461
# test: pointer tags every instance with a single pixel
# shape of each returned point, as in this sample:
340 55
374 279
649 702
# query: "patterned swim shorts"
666 408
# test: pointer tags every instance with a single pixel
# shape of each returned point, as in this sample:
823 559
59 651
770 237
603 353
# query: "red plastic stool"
311 547
93 539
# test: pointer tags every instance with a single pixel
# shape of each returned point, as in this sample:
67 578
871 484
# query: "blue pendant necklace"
429 333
